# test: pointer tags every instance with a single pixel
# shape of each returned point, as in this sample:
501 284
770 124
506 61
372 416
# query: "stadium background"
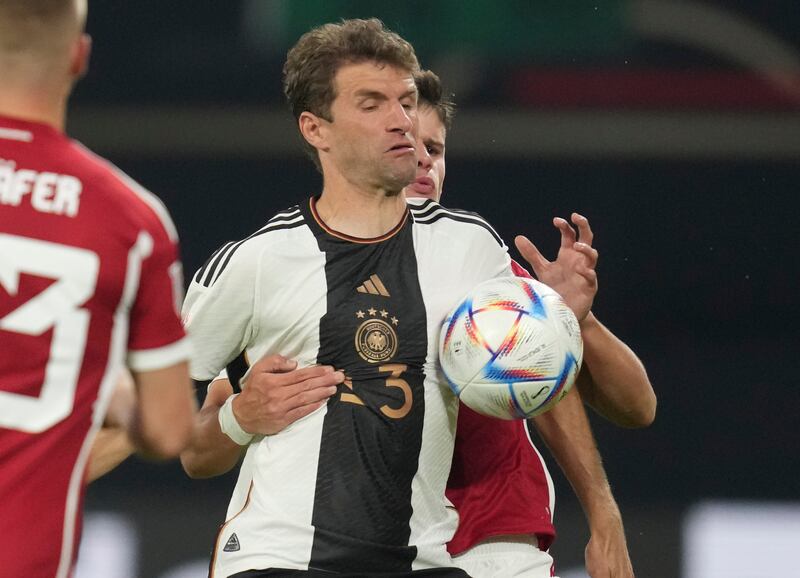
673 125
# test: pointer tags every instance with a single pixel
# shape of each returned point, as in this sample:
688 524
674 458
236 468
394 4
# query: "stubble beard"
394 181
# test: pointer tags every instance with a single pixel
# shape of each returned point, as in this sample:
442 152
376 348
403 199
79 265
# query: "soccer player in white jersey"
88 277
357 280
499 482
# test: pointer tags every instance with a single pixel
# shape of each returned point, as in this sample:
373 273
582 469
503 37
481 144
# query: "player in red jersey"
499 483
89 273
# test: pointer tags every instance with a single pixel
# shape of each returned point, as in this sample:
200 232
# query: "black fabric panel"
236 370
368 459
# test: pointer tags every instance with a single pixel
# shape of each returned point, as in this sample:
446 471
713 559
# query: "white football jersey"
357 486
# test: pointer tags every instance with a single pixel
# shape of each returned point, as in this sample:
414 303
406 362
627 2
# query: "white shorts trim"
506 557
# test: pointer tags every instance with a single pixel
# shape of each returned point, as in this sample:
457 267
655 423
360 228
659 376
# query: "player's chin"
396 182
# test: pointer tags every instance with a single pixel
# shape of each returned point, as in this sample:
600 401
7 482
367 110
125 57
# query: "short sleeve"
156 337
218 313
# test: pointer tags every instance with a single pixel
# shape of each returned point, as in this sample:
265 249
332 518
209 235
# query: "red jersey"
498 482
88 277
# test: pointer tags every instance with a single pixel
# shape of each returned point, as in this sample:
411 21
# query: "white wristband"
229 426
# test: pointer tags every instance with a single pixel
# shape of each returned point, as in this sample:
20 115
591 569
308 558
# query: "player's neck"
33 107
357 212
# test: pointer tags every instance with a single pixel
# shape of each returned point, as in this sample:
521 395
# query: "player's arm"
565 430
210 452
161 424
156 424
613 381
274 395
112 445
219 307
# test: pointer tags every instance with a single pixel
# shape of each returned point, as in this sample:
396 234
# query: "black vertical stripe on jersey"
362 502
236 370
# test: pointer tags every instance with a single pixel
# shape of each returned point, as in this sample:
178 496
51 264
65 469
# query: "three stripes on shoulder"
216 264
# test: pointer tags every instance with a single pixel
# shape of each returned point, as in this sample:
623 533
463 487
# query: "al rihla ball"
511 349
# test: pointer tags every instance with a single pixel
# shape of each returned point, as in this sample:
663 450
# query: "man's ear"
81 51
314 130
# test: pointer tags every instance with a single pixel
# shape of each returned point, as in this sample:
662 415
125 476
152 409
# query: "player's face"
430 156
373 131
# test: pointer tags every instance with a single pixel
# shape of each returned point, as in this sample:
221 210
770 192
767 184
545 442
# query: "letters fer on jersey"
47 192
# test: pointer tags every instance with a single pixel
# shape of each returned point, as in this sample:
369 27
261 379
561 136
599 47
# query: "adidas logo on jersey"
232 545
373 286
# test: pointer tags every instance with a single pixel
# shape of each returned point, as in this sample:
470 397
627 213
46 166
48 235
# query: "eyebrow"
366 93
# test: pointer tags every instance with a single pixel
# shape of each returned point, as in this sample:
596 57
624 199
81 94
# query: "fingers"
589 252
301 412
531 254
272 401
314 389
567 232
584 230
278 371
299 376
274 363
308 396
296 387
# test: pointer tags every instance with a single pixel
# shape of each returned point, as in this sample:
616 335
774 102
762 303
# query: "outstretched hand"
276 393
572 274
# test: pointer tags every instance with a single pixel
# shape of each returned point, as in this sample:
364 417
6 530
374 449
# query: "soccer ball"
511 348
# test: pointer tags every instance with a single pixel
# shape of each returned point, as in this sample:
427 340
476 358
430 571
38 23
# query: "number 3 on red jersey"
58 307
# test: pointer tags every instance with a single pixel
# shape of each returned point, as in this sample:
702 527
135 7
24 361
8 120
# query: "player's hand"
607 552
572 274
277 394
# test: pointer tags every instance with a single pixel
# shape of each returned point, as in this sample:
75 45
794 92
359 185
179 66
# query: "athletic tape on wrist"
229 426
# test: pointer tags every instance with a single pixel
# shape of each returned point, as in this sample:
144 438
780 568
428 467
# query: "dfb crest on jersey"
376 339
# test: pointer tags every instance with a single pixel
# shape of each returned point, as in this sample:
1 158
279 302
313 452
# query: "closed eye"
433 150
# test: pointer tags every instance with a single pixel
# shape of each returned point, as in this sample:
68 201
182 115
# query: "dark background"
697 231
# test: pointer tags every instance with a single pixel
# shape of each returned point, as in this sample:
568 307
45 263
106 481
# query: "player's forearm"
566 432
616 384
210 452
111 447
161 423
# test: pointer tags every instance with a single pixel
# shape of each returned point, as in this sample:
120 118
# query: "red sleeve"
157 338
519 270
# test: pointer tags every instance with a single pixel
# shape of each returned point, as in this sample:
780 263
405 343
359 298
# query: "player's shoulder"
124 197
244 249
430 213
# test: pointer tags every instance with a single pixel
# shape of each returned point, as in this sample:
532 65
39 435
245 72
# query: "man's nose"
401 119
424 160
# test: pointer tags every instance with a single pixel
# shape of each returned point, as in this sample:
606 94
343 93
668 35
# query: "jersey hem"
160 358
